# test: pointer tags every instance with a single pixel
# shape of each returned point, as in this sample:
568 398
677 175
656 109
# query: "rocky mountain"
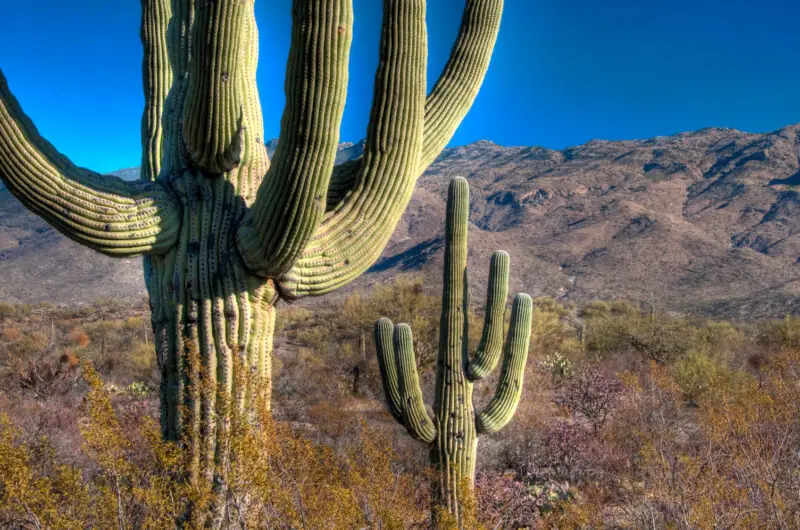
707 221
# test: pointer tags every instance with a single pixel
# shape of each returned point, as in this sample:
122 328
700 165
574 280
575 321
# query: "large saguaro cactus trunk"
225 232
453 431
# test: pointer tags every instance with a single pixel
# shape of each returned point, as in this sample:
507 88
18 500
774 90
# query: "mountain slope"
704 221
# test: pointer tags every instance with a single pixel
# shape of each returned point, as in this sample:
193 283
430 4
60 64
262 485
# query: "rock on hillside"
704 222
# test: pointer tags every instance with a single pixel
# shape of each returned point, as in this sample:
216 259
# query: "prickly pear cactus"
453 431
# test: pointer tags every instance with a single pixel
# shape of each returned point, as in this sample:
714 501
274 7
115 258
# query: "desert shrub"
35 491
279 479
781 333
134 323
142 359
720 339
551 331
730 463
315 338
7 310
595 309
549 305
48 376
662 339
656 336
290 317
38 340
591 393
12 333
503 501
607 335
624 308
79 337
698 374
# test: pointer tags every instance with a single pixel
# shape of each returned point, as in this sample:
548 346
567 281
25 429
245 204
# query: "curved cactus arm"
157 77
416 418
501 408
105 213
491 344
291 200
352 237
456 89
387 363
452 95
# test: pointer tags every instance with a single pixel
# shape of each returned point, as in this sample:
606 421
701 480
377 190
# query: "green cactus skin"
453 433
226 233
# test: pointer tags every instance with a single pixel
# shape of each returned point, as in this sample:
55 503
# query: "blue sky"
564 72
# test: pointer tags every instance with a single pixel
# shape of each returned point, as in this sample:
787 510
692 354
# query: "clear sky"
564 71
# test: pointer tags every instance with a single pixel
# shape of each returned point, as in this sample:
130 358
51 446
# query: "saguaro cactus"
453 431
225 232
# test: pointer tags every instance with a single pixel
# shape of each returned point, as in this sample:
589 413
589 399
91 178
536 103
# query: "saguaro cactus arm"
416 418
352 237
112 216
398 369
491 344
387 364
501 408
377 188
212 115
291 200
452 95
157 80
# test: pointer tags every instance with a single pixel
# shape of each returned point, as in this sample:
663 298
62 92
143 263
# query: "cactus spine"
453 432
225 232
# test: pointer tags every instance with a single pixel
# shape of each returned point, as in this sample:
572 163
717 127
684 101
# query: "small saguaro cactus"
453 431
225 232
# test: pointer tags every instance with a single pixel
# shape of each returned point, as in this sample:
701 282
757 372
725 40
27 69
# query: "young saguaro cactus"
453 431
225 232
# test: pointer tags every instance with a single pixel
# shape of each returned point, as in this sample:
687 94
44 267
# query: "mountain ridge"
703 221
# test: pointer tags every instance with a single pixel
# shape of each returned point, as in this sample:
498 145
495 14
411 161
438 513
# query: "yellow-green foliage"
34 493
697 374
406 300
596 309
279 479
784 332
551 331
657 336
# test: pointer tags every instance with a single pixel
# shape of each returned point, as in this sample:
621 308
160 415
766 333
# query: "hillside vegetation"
631 418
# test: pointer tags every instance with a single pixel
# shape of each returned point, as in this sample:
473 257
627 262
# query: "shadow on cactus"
452 433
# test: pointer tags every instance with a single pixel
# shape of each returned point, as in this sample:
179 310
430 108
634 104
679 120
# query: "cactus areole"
225 232
453 431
